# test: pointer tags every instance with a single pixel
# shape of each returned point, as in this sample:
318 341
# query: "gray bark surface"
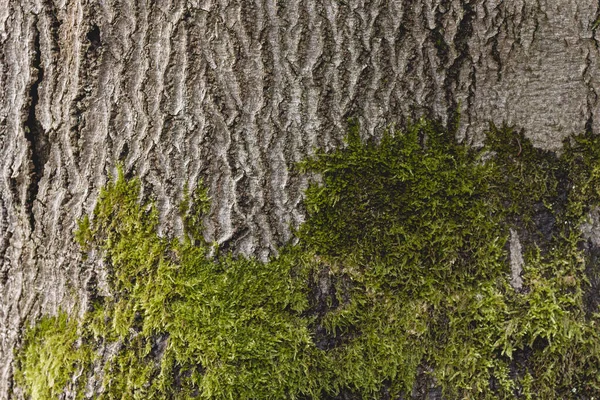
237 92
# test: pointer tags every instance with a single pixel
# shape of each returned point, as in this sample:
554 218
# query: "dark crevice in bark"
4 271
231 243
461 44
34 132
4 245
93 37
124 152
403 30
536 25
405 41
592 97
495 52
89 66
94 297
11 385
13 187
496 55
52 15
589 123
470 101
437 37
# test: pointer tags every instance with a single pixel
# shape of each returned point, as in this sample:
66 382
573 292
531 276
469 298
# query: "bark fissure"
592 97
461 44
34 132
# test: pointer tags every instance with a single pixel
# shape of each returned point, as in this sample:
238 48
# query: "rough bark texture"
236 92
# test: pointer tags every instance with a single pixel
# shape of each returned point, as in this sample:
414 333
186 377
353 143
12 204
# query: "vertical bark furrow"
34 132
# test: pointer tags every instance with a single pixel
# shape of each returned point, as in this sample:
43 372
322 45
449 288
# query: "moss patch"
220 328
51 356
401 267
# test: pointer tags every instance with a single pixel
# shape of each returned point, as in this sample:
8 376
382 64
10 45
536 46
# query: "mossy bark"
237 92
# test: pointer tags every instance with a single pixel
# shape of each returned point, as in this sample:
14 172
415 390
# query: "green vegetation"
402 266
51 357
228 328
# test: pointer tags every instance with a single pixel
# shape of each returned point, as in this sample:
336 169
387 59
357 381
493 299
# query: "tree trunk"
237 92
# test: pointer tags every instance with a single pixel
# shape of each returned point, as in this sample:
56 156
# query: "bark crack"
592 96
34 132
461 46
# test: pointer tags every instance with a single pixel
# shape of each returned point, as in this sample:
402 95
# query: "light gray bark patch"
591 228
516 261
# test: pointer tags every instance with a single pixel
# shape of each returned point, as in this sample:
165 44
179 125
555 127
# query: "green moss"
52 355
231 327
420 223
401 266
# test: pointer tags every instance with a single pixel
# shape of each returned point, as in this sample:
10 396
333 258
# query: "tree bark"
235 93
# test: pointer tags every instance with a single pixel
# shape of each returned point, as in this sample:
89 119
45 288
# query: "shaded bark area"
237 92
